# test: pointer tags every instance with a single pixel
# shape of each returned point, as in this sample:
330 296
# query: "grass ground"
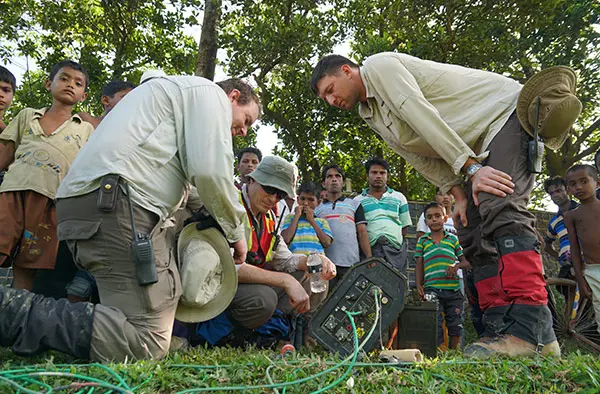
202 370
235 370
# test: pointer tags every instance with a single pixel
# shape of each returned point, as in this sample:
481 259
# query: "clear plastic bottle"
314 266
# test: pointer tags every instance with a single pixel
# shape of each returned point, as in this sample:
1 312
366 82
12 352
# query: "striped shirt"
342 216
305 240
386 216
558 230
437 258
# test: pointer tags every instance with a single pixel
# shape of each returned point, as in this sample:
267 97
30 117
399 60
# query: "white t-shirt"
448 226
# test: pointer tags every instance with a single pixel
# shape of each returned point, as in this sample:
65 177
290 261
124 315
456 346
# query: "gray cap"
276 172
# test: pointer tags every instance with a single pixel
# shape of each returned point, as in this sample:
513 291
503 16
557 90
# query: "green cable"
265 386
279 385
28 372
251 364
356 346
113 373
143 383
77 376
270 379
39 383
354 354
17 386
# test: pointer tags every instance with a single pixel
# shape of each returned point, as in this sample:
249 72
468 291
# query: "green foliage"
111 39
516 38
277 44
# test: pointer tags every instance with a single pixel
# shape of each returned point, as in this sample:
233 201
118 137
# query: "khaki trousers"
132 321
254 304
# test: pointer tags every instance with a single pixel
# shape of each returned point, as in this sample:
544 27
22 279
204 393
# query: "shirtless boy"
583 227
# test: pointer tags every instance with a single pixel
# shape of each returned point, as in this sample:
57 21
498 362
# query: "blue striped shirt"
558 230
305 239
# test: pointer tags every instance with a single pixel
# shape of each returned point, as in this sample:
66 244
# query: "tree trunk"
207 49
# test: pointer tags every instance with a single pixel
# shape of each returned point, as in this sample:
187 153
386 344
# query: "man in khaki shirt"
165 135
448 121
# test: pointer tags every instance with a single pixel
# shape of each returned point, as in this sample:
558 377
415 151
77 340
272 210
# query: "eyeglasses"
271 190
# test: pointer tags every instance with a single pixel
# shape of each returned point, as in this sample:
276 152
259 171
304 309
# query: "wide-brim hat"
275 171
559 107
208 274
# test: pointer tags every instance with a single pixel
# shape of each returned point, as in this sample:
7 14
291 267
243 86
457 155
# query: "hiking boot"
178 344
509 345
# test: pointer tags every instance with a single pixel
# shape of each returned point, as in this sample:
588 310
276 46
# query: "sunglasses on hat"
271 190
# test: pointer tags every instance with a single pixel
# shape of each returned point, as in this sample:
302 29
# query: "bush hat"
208 275
276 172
559 107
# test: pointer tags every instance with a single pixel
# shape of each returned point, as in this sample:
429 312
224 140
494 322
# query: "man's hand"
492 181
328 271
584 289
240 249
459 214
470 296
298 297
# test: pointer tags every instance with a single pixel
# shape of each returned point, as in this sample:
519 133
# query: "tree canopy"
276 43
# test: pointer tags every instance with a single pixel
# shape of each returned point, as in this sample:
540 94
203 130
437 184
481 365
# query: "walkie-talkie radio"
141 251
535 152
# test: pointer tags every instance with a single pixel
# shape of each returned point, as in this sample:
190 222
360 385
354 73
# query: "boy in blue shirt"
302 231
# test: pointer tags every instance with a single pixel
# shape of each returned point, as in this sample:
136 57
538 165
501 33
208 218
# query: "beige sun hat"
208 274
559 108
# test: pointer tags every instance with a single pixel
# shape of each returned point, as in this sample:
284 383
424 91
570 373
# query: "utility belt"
142 252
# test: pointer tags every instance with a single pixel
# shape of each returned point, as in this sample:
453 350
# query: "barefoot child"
38 147
583 227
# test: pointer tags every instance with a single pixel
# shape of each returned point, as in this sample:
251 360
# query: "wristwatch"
472 169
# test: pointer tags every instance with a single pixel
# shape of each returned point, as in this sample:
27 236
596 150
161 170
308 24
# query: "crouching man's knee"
253 305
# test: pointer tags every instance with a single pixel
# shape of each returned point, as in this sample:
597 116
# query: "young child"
302 231
436 254
583 227
8 84
112 93
39 145
66 280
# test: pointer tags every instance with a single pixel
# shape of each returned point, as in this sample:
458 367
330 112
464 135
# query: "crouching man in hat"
271 284
451 122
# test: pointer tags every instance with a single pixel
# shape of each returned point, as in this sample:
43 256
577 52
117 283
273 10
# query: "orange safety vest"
260 251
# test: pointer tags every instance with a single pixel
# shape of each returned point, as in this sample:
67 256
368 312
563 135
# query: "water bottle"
314 267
